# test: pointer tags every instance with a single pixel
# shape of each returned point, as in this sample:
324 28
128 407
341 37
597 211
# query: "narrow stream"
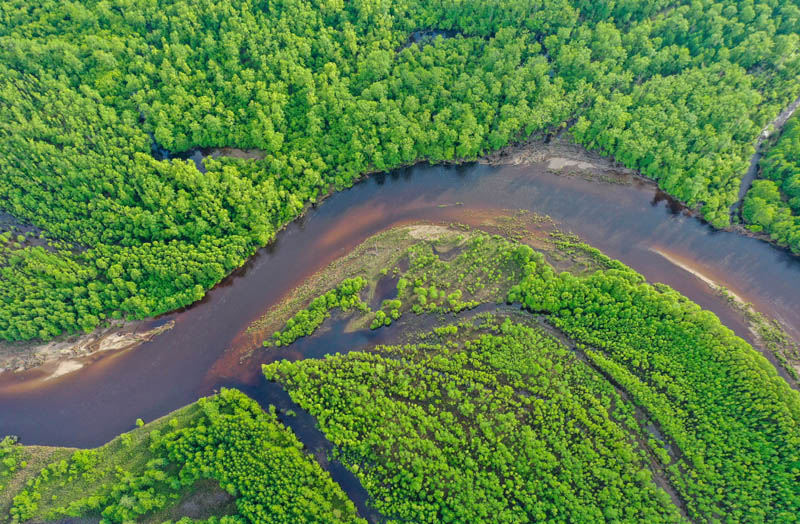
752 171
660 476
330 338
305 428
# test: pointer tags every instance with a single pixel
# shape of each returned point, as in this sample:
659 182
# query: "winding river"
632 222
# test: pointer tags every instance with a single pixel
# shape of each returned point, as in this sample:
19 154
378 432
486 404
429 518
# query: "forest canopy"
773 203
227 439
506 390
328 92
585 406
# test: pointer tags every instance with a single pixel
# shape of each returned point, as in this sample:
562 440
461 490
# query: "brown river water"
633 223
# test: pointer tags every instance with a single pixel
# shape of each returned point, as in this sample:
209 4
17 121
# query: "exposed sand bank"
65 355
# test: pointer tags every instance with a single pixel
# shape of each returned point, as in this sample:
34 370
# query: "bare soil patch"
64 355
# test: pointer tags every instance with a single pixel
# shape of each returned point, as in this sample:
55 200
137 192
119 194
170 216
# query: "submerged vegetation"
328 92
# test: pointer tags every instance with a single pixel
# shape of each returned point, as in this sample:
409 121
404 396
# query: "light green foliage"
11 459
259 461
480 269
773 205
501 425
735 422
226 438
63 472
390 310
327 92
416 420
479 272
345 297
319 89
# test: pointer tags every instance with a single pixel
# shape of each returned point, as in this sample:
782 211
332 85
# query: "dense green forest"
773 203
471 406
227 438
577 394
732 417
495 423
328 92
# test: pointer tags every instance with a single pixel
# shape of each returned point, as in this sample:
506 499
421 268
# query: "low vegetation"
444 271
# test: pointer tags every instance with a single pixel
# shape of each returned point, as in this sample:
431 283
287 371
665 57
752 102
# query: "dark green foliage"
328 92
735 422
773 204
500 424
259 461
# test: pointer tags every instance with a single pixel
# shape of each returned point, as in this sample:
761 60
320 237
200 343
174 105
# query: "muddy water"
632 222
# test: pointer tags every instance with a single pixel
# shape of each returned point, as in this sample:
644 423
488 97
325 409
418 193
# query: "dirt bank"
560 154
66 354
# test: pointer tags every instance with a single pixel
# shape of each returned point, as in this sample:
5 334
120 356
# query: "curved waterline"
630 222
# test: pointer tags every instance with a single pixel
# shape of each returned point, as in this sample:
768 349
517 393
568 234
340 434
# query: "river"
633 223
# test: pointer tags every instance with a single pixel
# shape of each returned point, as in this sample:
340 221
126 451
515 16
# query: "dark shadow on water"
426 36
385 289
675 207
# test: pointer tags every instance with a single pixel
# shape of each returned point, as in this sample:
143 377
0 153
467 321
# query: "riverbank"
377 261
768 336
559 153
67 354
456 265
384 258
127 452
566 158
194 358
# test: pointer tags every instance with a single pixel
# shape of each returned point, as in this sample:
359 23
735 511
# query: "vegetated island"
553 385
327 93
